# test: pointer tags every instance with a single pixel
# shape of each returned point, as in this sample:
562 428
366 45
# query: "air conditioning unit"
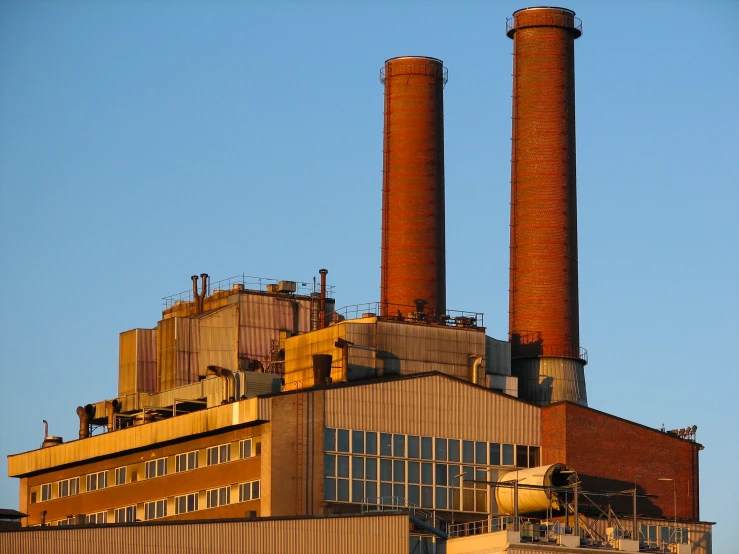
418 316
272 288
287 286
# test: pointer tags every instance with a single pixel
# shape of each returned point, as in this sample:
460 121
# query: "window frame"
156 505
187 457
211 494
157 472
123 470
185 500
218 450
124 511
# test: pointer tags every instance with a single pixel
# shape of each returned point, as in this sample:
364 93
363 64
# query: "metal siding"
146 360
548 380
218 339
434 406
79 451
359 535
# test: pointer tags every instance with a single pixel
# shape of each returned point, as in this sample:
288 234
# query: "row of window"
187 461
659 535
186 503
360 479
431 448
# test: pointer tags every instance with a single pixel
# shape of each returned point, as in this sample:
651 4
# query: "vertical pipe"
543 294
413 264
322 309
203 291
195 295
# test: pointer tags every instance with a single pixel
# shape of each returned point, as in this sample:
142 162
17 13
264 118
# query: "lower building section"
390 534
548 379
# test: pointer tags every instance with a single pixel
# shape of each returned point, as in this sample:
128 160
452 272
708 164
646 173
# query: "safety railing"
401 312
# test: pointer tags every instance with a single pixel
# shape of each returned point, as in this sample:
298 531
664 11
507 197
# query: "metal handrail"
402 312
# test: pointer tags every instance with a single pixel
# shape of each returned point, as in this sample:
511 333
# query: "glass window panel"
329 465
386 470
399 492
342 466
386 491
494 454
357 491
522 455
507 454
441 474
426 448
427 473
255 489
386 444
399 471
468 500
469 473
441 498
371 439
481 499
534 456
453 472
441 449
342 490
454 496
358 442
414 495
453 450
399 446
342 440
357 467
664 535
371 489
652 533
481 474
371 468
427 497
481 453
414 472
414 447
468 452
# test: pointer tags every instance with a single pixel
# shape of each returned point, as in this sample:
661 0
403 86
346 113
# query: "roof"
7 513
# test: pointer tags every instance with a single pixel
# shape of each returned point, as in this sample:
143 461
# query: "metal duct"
543 296
534 500
203 291
322 309
85 414
413 265
195 295
321 368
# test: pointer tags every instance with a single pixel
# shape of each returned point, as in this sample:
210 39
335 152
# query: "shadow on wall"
619 503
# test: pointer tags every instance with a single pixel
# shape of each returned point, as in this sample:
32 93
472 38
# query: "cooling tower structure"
413 271
544 327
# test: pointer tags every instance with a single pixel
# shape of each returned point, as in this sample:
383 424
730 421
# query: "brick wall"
608 453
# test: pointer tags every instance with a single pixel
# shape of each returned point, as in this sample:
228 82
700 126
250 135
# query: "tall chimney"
544 327
413 267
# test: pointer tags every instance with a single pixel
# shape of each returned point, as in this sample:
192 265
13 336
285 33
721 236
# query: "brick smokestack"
544 327
413 271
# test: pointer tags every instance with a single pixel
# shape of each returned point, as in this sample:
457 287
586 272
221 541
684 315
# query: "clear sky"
143 142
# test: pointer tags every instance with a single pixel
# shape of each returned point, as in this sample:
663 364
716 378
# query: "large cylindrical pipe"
85 414
195 295
533 500
413 268
203 290
543 310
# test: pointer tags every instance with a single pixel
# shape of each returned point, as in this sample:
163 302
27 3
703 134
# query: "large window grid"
45 492
186 503
97 481
219 454
425 471
68 487
249 491
156 468
156 509
218 497
125 515
657 536
186 461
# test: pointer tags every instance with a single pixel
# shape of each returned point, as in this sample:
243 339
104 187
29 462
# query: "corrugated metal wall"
547 380
434 406
219 339
217 418
137 361
358 535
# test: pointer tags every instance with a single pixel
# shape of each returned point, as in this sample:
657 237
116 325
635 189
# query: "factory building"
259 406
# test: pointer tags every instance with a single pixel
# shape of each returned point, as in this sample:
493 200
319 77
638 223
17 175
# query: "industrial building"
261 407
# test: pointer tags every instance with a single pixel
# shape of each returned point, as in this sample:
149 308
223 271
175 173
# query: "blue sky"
142 142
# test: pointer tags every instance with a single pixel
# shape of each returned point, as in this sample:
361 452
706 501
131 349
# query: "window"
68 487
45 492
329 440
399 446
98 518
440 449
156 468
248 491
413 447
371 439
358 442
120 476
97 481
534 456
508 455
186 461
156 509
245 449
33 498
219 454
125 515
218 497
426 448
342 440
386 444
65 521
186 503
494 454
